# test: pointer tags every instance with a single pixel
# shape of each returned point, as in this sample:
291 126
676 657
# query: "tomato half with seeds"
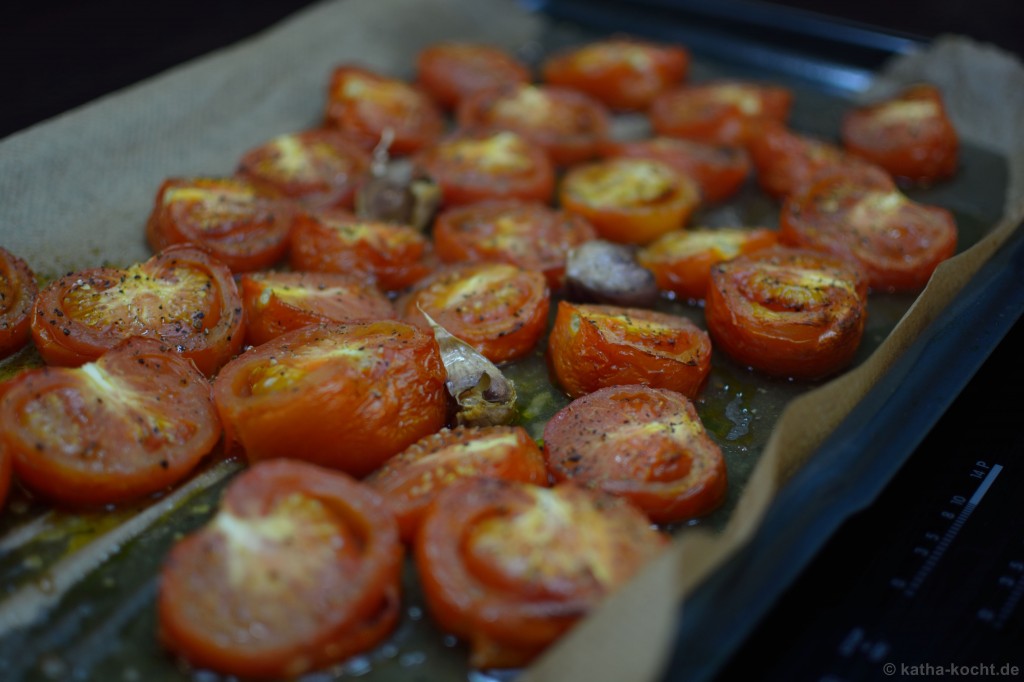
17 293
511 567
182 296
130 424
411 480
629 200
277 302
395 256
475 165
624 73
645 444
453 70
499 309
719 171
568 124
299 569
910 135
528 234
788 312
345 397
681 260
719 112
594 346
897 241
230 218
363 104
319 167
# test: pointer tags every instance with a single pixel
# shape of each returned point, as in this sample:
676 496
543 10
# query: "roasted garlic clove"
605 272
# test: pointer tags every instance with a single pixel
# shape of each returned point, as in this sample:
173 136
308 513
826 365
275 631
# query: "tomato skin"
681 260
412 479
132 423
500 569
499 309
277 302
627 200
527 234
5 473
343 396
568 124
595 346
645 444
319 167
788 312
720 171
82 315
625 74
477 165
719 112
299 569
909 135
898 242
17 293
451 71
395 256
232 219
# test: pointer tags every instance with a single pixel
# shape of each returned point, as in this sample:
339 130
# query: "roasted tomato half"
499 309
453 70
624 73
182 296
17 294
5 473
411 480
471 166
681 260
720 171
278 302
898 242
395 256
299 569
568 124
364 104
346 397
529 234
788 312
645 444
719 112
629 200
230 218
511 567
132 423
593 346
320 167
909 135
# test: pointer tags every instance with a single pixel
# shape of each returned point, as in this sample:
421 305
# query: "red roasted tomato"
499 309
230 218
17 293
511 567
594 346
5 473
788 312
363 104
647 445
529 234
898 242
277 302
346 396
568 124
321 167
451 71
299 569
719 112
411 480
182 296
908 135
624 73
130 424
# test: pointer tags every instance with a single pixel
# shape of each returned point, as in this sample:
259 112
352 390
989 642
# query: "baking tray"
102 625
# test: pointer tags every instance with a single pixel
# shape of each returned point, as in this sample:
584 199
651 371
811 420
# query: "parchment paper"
75 191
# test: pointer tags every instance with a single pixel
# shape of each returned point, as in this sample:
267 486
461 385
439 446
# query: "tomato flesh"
17 293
